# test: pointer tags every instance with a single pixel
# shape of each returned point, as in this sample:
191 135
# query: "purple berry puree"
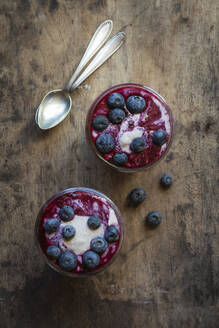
84 204
156 116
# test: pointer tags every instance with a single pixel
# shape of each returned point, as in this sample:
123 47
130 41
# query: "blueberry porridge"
79 231
130 127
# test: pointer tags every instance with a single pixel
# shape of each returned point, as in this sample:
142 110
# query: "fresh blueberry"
53 252
159 137
138 144
68 261
91 260
153 219
93 222
105 143
137 196
66 213
68 232
100 122
116 115
135 104
116 100
51 225
166 180
120 159
111 234
98 245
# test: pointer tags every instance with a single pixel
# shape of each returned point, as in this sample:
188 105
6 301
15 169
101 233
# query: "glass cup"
127 89
80 199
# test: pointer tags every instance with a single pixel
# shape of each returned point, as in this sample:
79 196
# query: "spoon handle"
99 38
108 50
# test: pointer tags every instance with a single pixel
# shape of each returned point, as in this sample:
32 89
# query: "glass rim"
99 156
38 221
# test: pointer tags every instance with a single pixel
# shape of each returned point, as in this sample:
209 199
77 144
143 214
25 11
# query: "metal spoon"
56 105
99 38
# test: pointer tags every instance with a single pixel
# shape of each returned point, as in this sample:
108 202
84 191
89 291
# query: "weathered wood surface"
163 278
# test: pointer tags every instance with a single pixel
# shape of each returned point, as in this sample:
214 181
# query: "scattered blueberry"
100 122
116 115
111 234
166 180
138 144
68 232
159 137
120 159
51 225
98 245
94 222
153 219
105 143
135 104
137 196
66 213
53 252
68 261
116 100
91 260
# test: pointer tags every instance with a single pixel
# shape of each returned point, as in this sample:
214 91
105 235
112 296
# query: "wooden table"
168 277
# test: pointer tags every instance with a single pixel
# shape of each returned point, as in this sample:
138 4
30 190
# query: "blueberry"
68 261
100 122
120 159
116 115
138 144
51 225
116 100
137 196
98 245
105 143
153 219
111 234
68 232
166 180
93 222
91 260
135 104
159 137
66 213
53 252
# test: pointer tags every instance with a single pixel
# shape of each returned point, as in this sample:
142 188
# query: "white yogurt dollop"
80 243
127 137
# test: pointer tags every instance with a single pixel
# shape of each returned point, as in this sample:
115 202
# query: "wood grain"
163 278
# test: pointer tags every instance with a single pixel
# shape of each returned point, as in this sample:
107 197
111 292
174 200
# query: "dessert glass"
157 115
85 202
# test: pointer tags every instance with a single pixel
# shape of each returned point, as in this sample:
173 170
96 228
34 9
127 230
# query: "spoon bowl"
53 109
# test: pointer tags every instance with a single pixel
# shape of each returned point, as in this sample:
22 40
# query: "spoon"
100 36
56 104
